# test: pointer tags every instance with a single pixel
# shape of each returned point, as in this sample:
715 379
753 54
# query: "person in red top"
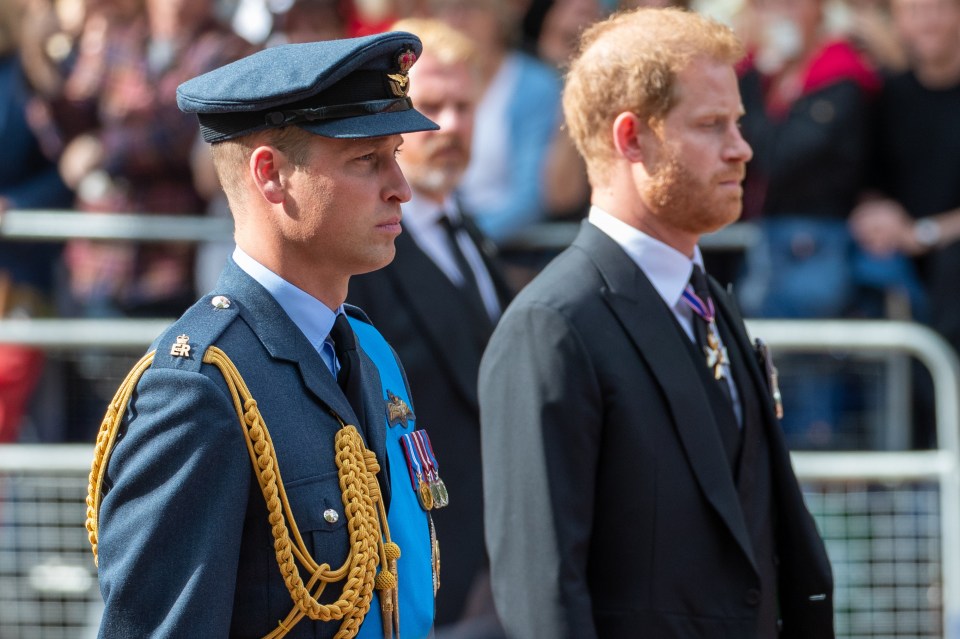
807 95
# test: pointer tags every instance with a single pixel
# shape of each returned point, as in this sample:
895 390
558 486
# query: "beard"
676 196
436 174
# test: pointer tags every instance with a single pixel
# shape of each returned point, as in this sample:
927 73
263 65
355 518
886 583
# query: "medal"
773 380
425 494
440 496
416 466
716 354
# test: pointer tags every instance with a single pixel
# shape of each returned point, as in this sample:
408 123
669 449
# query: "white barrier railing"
840 477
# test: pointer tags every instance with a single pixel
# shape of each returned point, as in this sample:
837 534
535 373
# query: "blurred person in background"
807 96
126 147
110 117
28 180
551 30
297 21
869 27
437 304
517 119
913 207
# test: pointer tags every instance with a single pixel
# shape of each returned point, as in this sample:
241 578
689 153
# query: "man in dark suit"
250 478
438 301
636 480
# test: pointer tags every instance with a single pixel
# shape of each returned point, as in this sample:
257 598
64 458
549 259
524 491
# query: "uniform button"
752 598
331 515
220 301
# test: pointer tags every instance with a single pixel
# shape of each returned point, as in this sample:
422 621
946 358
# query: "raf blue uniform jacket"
185 549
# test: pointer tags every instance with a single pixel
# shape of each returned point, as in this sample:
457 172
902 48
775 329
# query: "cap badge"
399 82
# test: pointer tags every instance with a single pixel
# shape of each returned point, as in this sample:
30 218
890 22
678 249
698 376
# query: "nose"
738 150
396 187
450 119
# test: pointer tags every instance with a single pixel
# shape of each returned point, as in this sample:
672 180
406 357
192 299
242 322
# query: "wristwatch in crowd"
927 232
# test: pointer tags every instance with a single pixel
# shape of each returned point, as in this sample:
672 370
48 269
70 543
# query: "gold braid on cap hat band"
367 526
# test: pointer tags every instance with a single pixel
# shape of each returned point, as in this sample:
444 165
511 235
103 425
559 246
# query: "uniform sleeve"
540 429
170 524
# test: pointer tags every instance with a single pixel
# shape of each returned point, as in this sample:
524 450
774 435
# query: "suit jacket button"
752 598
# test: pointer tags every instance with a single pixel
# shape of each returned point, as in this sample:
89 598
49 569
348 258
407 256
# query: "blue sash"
409 527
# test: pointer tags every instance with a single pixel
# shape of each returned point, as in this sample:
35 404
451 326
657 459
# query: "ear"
627 133
266 163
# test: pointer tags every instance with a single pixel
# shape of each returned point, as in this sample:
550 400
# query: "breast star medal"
397 411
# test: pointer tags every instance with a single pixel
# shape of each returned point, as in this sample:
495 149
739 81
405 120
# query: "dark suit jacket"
610 504
440 338
185 546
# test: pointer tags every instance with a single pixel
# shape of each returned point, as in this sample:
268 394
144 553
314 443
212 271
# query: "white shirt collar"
667 269
421 212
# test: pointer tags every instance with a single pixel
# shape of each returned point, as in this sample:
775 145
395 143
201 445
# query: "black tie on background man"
626 495
437 303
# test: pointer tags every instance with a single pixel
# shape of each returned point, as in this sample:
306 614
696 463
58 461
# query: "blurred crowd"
852 110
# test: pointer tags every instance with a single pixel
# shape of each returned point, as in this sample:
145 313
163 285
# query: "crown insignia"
400 82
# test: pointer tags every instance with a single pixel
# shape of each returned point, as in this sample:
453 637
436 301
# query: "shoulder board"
357 313
184 343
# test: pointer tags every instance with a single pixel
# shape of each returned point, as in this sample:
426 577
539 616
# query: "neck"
326 285
634 212
941 73
437 197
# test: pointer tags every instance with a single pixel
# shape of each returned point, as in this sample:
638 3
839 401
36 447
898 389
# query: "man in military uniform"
235 489
636 480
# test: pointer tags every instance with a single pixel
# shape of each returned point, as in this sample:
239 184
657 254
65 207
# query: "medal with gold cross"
713 350
716 353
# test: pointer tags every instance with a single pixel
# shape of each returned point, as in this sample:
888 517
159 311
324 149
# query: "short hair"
629 63
441 41
230 156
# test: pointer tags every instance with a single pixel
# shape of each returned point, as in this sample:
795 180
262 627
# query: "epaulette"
183 344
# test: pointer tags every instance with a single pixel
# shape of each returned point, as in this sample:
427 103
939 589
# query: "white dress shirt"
669 272
421 218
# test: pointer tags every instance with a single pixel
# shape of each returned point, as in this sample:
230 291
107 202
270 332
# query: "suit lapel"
456 338
650 326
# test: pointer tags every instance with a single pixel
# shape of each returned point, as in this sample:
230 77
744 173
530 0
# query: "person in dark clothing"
636 481
914 205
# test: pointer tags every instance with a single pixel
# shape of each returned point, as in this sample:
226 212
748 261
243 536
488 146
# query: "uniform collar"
311 316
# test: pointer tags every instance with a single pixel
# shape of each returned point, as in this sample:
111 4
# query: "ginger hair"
629 63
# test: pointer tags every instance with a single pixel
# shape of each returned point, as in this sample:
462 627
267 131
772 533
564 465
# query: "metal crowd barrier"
50 225
890 519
